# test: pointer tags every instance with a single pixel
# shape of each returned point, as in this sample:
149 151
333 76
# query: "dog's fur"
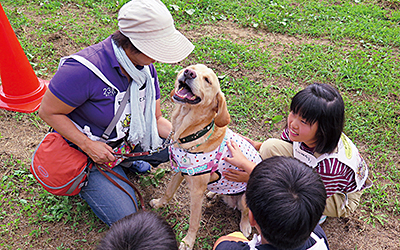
191 114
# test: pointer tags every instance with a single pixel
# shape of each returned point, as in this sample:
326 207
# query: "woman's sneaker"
140 166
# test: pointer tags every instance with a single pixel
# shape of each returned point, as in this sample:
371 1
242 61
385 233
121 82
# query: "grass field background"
352 45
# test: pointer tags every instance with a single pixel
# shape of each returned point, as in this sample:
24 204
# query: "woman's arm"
54 112
163 125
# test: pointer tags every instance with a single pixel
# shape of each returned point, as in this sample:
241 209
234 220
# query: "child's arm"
238 159
236 175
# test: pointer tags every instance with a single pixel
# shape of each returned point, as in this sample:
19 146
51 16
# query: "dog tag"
185 160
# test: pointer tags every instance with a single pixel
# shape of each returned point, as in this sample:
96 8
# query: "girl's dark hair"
323 104
287 199
123 41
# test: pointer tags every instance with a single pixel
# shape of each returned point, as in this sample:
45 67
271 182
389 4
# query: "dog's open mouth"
185 94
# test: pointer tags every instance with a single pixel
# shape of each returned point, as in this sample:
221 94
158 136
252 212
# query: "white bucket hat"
150 27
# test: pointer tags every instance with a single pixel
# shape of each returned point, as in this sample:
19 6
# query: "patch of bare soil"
20 136
19 139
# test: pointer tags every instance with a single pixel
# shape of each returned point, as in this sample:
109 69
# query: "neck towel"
143 125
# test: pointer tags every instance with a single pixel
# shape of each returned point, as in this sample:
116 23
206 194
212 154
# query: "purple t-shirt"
79 87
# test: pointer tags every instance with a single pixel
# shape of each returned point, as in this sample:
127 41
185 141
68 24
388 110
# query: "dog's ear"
172 93
222 118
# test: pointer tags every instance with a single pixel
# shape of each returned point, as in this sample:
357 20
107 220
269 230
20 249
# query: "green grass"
23 199
353 45
362 21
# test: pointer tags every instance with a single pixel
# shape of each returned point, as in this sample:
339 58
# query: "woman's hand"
54 112
98 151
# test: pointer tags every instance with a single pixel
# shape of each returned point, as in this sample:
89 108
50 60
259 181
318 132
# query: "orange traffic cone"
20 89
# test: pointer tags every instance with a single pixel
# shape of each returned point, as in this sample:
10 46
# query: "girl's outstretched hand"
256 144
238 159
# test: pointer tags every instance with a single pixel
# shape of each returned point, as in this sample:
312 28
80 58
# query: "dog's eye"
207 80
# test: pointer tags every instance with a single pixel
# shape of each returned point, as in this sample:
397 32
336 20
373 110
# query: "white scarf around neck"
143 127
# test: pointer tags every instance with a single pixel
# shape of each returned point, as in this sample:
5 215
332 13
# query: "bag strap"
90 66
96 71
104 168
110 127
77 182
106 134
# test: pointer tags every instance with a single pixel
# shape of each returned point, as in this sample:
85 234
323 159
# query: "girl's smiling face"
302 131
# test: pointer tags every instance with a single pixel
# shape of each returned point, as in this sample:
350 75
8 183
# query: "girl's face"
302 131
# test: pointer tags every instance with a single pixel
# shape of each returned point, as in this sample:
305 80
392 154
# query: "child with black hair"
140 231
285 199
314 135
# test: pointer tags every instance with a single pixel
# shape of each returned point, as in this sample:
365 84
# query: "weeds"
353 45
22 197
152 178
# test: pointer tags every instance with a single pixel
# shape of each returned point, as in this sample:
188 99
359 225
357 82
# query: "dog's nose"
190 74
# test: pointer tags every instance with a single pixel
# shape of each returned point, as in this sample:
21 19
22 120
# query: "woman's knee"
107 201
112 209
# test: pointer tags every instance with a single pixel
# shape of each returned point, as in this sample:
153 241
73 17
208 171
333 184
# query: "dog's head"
198 85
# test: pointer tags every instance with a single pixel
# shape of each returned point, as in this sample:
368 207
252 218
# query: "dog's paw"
186 245
183 246
210 195
212 198
245 228
155 203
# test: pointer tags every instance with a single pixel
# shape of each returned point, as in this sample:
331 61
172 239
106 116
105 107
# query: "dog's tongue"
185 93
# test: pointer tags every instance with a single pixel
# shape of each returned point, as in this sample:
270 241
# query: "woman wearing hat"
80 105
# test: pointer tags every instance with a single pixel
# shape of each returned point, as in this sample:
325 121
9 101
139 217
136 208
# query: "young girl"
314 136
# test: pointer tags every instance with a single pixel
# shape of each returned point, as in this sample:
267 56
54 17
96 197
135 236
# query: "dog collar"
198 134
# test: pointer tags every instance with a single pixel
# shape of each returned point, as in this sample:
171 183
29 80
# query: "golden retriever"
199 122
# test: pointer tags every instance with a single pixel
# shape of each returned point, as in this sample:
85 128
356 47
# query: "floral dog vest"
202 163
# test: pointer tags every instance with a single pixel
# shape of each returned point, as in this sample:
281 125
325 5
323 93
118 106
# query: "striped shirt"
336 176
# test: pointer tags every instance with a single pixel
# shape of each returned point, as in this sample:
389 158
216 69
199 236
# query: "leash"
168 142
104 168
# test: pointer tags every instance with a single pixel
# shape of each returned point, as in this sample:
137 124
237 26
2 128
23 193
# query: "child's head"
141 230
287 199
323 104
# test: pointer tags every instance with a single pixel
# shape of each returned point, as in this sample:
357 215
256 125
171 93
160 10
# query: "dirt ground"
20 136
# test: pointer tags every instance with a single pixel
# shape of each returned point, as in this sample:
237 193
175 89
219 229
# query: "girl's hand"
236 175
238 159
256 144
